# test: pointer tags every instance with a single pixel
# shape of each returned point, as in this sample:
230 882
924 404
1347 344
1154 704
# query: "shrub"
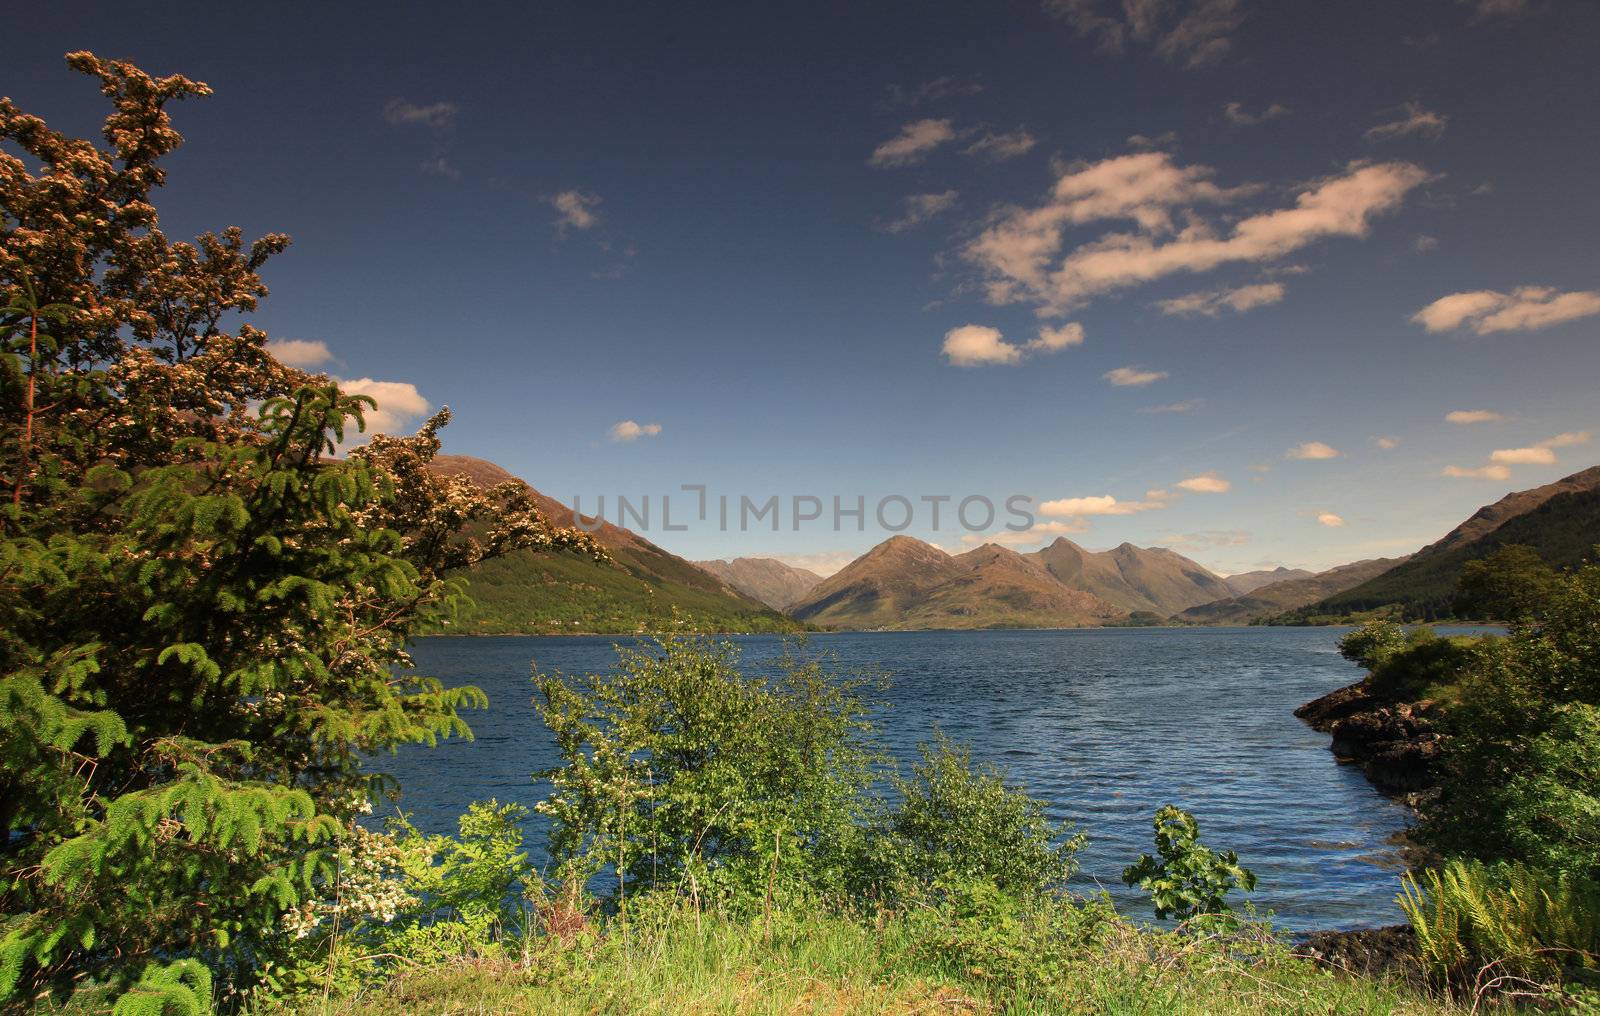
1530 925
1189 881
1372 643
955 821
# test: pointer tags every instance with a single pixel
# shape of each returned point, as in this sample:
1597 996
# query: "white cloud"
1330 520
436 116
1206 483
980 345
919 208
1489 8
1239 299
932 91
1020 254
912 144
1425 244
1535 456
1411 119
1312 450
1185 406
1238 115
1101 504
1481 473
628 430
1566 440
1194 33
300 352
1486 311
1133 377
1386 443
575 210
1000 147
1462 417
398 403
1053 339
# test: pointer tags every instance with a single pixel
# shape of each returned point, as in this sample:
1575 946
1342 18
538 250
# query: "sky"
1267 283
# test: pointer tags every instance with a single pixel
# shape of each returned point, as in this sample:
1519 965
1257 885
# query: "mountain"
1244 583
1275 597
774 583
1561 521
905 583
639 590
1134 578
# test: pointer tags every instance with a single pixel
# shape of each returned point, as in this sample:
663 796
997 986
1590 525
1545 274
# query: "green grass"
683 962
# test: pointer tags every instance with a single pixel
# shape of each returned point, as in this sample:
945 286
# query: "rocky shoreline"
1396 743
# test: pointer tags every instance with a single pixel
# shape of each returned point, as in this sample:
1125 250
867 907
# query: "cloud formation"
1101 504
1412 119
628 430
1237 114
1206 483
1312 450
919 208
302 353
1526 309
1534 456
1133 377
436 116
1386 443
1187 405
1214 302
1330 520
1021 256
575 210
980 345
398 403
1003 146
1481 473
1193 33
912 144
1033 534
1463 417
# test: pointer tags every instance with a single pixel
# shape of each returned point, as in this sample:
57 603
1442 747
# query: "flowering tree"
203 612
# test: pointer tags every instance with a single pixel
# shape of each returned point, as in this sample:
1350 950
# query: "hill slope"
905 583
1134 578
527 593
772 582
1264 601
1245 583
1560 520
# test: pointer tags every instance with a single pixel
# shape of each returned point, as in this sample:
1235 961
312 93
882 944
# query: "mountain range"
778 585
904 583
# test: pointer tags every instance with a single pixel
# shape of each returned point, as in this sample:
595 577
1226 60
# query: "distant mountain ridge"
1244 583
642 589
778 585
905 583
1275 597
1560 520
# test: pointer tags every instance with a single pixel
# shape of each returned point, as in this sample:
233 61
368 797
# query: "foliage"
1189 881
1476 922
1521 759
957 821
1372 643
1426 666
203 615
1507 585
973 956
677 766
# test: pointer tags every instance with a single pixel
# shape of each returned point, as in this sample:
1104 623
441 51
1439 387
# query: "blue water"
1104 724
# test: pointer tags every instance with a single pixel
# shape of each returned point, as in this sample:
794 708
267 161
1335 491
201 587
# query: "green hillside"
1563 530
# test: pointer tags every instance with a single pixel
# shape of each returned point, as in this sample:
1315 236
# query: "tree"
1188 880
1507 585
203 612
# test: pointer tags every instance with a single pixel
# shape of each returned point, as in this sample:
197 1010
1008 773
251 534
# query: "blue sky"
907 248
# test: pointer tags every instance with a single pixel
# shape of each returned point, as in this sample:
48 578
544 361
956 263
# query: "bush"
1529 925
1189 881
955 821
1372 643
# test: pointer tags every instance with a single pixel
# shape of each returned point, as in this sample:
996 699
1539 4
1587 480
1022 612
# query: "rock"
1395 743
1365 952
